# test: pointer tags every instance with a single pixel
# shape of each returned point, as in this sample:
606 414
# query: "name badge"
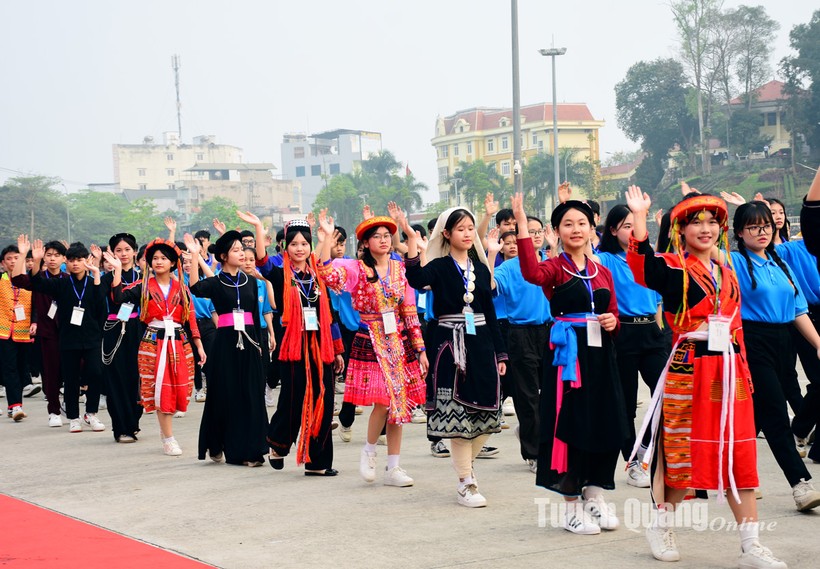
421 304
719 334
389 319
52 310
239 320
77 316
311 319
125 311
169 326
19 313
593 332
469 323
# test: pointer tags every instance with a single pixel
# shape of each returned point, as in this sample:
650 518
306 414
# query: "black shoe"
276 462
325 472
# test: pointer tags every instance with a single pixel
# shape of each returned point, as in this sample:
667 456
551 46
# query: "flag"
407 171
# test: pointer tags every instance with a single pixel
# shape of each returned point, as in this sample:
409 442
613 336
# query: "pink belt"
226 320
112 317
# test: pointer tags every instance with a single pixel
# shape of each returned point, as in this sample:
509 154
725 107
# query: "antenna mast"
175 65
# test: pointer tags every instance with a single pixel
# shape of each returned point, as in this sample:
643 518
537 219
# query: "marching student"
576 459
80 310
771 303
204 310
122 332
464 406
234 419
701 415
16 329
166 361
642 344
266 301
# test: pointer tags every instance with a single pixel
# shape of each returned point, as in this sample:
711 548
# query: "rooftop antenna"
175 65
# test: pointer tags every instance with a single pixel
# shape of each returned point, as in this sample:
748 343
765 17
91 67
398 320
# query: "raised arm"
171 224
532 271
490 209
259 228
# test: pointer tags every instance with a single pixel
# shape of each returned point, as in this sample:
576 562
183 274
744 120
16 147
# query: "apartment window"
140 171
534 139
172 186
316 170
298 151
300 171
143 186
334 169
469 148
505 143
169 156
443 174
445 151
771 118
200 156
505 168
455 150
490 145
170 171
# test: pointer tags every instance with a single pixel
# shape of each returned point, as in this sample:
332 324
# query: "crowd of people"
447 324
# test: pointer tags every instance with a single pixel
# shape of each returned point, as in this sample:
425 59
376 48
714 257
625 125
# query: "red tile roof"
771 91
481 118
622 168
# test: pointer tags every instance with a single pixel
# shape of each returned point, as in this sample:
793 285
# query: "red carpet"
36 538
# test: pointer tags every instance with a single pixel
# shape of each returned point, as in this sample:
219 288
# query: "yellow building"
769 101
487 134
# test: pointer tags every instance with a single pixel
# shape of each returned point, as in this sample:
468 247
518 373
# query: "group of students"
565 331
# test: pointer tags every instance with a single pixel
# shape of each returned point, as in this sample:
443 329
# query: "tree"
383 165
720 61
802 73
343 201
31 205
219 208
744 126
477 179
96 216
755 36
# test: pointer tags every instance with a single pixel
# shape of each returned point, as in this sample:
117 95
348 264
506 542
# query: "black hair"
76 251
342 234
367 257
29 255
664 228
166 250
129 239
181 246
506 234
749 214
57 246
7 251
247 233
280 236
784 231
202 234
504 215
533 218
454 219
141 252
251 249
416 227
594 206
224 244
614 219
431 224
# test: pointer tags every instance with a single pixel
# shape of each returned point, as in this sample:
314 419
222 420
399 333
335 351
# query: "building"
768 100
251 186
313 160
487 134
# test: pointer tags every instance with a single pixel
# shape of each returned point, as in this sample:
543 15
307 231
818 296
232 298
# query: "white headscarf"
437 245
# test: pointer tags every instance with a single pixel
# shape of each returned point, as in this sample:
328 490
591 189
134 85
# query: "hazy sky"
78 76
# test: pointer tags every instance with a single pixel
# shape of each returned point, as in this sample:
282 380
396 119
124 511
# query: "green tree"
476 180
802 72
744 126
32 206
755 37
343 201
96 216
220 208
383 165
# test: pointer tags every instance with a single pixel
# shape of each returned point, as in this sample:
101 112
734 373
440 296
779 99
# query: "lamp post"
553 52
455 183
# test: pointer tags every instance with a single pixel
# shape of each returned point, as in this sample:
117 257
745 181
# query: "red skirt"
177 375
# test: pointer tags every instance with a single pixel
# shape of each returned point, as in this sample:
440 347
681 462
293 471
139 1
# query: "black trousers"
640 349
526 348
274 373
348 412
14 369
207 333
81 367
809 414
767 350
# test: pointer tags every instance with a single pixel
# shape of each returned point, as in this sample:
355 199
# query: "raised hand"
493 243
490 205
393 211
112 260
564 192
686 190
421 242
401 220
23 245
248 217
192 244
326 223
38 250
518 204
659 216
311 220
759 198
637 201
219 226
92 268
367 213
734 198
171 224
551 237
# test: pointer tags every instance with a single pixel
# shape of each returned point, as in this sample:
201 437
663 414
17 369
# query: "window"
505 143
534 139
469 148
762 119
316 170
490 145
172 186
169 156
141 171
200 156
170 171
771 118
334 169
445 151
143 187
505 168
298 151
443 174
300 171
455 150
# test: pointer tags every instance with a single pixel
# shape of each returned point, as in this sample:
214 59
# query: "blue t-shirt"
804 268
773 300
525 302
203 307
633 299
264 301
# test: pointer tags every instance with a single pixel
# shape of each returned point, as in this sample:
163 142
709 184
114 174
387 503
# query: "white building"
313 160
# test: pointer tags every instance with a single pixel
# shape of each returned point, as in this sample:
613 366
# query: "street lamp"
553 52
455 183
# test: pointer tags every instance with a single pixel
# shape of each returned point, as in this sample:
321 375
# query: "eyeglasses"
536 232
759 229
382 236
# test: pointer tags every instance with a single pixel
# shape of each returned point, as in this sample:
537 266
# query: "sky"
80 76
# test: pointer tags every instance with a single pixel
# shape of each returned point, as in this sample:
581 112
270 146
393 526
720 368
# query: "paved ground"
239 517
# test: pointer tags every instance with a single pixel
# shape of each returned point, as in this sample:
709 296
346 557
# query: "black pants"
14 369
640 349
274 371
35 360
348 412
526 347
84 363
809 415
767 350
207 333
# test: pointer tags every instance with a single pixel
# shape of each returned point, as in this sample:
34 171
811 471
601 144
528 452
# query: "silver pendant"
471 286
468 298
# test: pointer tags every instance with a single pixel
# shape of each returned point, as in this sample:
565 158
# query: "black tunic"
234 418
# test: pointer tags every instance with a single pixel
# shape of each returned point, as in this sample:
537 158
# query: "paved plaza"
240 517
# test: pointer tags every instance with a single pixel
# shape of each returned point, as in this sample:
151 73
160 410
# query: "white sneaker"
637 475
759 557
55 420
469 496
345 433
17 413
340 387
37 379
508 407
396 476
532 464
419 416
75 426
578 521
367 466
2 391
382 440
270 397
179 414
31 389
663 544
336 409
802 446
602 513
103 402
805 496
504 425
92 420
171 448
